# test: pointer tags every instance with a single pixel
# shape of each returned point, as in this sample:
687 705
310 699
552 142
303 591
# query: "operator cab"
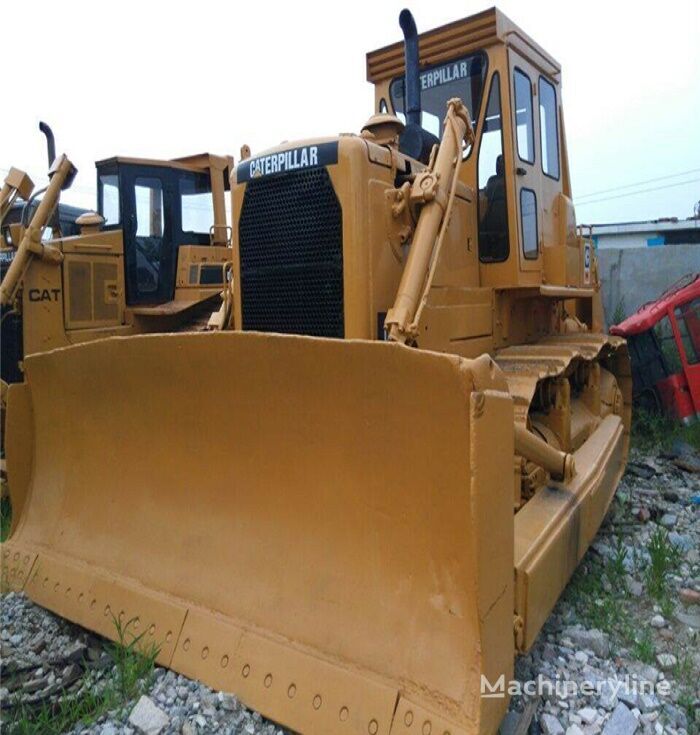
160 207
517 163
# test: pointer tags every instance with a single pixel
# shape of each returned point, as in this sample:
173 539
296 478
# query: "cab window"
528 222
493 211
688 320
667 343
523 116
463 78
149 207
108 198
549 132
148 240
196 204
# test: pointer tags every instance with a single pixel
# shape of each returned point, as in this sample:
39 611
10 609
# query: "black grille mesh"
291 254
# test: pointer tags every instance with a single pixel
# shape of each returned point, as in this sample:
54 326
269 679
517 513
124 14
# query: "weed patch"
652 430
133 671
685 675
58 717
615 569
664 558
620 313
595 605
643 647
133 660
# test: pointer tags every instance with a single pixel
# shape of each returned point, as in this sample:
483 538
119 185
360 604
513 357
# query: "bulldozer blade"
322 527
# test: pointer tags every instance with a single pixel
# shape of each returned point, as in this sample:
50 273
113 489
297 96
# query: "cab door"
528 206
149 242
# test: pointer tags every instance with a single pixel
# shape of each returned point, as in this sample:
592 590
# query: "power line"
632 193
638 183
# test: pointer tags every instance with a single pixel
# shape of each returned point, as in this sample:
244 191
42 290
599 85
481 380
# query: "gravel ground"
639 656
611 658
45 658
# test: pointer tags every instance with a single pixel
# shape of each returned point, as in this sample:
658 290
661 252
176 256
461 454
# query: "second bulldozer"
154 257
357 505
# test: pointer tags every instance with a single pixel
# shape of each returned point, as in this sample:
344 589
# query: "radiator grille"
80 294
90 291
291 255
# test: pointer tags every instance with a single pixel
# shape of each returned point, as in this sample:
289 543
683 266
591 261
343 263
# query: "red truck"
664 343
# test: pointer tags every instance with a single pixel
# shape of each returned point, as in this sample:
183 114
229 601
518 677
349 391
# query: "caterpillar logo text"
44 294
282 162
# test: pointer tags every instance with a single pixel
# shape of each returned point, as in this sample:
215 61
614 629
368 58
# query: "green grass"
683 670
598 591
133 672
664 558
5 518
686 699
599 595
53 719
134 661
615 569
620 314
609 609
643 647
653 431
595 605
686 677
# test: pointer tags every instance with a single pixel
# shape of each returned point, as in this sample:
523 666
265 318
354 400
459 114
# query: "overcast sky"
166 79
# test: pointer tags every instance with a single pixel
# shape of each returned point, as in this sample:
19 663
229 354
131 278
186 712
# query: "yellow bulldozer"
155 256
355 505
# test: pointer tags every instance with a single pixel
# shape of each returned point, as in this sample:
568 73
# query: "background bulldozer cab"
155 257
159 208
512 89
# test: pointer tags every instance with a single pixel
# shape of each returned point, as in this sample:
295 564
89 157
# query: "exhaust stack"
50 142
414 141
412 80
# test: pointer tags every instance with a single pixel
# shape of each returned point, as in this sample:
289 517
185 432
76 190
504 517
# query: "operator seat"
494 226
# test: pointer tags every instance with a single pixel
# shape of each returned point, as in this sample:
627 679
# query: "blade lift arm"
560 465
436 189
61 176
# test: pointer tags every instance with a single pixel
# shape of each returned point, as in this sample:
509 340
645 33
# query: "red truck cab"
664 342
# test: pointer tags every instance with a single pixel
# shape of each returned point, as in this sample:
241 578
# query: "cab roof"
457 39
197 162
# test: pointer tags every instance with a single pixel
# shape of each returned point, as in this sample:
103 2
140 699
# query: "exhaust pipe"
50 142
411 78
54 221
414 141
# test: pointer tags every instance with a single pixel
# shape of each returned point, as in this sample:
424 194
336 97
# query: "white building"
667 231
